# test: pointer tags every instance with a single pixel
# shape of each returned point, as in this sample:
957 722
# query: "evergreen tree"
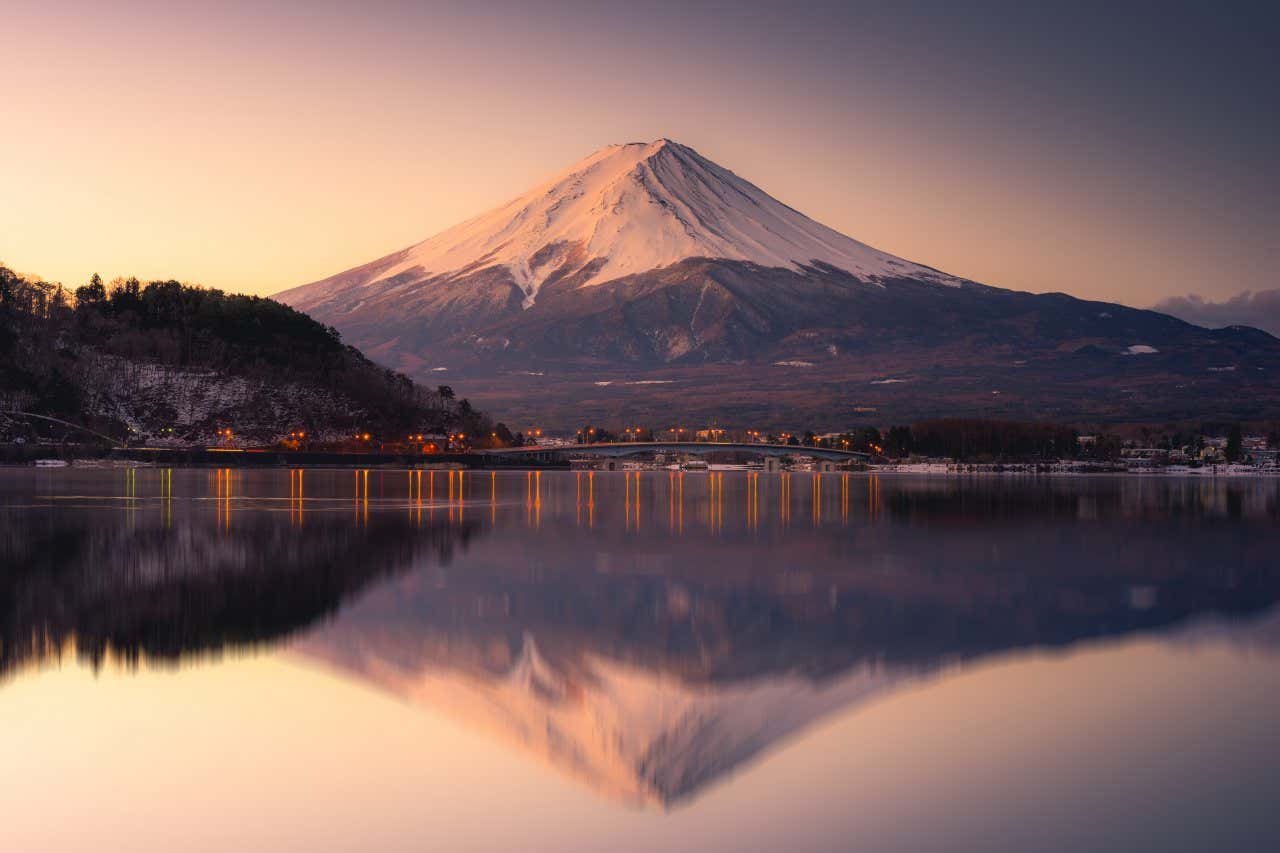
93 293
1235 444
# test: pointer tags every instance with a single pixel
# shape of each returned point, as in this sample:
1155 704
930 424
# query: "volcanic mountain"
647 283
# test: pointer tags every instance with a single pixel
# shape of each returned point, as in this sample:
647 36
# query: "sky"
1120 151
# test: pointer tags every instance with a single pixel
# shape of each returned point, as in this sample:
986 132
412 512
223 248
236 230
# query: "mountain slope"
648 265
167 362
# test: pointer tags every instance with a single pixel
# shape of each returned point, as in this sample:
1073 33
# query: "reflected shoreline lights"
753 627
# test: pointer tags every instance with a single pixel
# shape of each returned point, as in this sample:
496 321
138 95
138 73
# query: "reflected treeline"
1106 498
904 596
164 591
651 665
647 633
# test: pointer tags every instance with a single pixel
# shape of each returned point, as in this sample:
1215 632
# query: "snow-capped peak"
632 208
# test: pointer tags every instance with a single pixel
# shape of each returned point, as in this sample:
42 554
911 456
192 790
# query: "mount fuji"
648 283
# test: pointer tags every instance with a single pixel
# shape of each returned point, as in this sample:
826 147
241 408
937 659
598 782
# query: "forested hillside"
170 362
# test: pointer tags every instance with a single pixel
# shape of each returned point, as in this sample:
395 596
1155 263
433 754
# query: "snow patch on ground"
886 381
794 363
1141 349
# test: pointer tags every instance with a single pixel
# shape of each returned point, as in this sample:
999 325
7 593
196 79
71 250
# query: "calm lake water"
391 660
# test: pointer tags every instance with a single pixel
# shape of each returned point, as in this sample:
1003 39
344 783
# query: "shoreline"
909 469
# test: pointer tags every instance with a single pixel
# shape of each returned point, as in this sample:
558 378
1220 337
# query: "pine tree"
1235 444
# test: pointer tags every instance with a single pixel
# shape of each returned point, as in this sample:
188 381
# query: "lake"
395 660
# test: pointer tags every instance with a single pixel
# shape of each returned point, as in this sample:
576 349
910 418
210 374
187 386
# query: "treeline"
966 439
49 336
969 439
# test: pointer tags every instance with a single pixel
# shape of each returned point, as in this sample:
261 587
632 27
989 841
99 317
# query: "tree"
867 440
898 441
93 293
1235 444
590 434
8 284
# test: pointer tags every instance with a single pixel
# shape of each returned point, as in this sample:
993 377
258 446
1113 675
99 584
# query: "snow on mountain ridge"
631 208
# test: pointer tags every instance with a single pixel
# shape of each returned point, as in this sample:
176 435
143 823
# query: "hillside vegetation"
170 362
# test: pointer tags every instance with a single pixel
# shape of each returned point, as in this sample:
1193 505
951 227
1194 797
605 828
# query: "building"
1145 457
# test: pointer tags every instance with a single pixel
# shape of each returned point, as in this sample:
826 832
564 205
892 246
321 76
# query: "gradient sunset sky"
1119 153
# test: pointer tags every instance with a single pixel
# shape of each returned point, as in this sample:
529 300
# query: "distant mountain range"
1260 309
647 283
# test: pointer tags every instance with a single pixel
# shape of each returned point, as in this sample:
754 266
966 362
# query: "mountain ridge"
647 258
173 364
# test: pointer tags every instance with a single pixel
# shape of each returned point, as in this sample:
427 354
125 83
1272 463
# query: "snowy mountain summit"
629 209
648 283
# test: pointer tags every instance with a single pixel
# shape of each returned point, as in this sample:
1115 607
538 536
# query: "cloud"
1260 310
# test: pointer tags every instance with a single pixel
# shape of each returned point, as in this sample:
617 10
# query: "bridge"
692 448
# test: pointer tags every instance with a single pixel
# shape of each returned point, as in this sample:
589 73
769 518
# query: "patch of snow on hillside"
1140 349
886 381
794 363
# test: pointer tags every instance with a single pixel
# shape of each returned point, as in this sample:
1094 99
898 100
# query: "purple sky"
1126 155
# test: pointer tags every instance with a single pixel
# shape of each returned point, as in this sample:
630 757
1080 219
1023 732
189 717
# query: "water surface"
395 660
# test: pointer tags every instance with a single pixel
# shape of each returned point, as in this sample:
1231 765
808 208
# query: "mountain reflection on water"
646 633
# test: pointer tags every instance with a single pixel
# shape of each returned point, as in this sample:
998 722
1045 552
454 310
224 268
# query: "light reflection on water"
668 640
